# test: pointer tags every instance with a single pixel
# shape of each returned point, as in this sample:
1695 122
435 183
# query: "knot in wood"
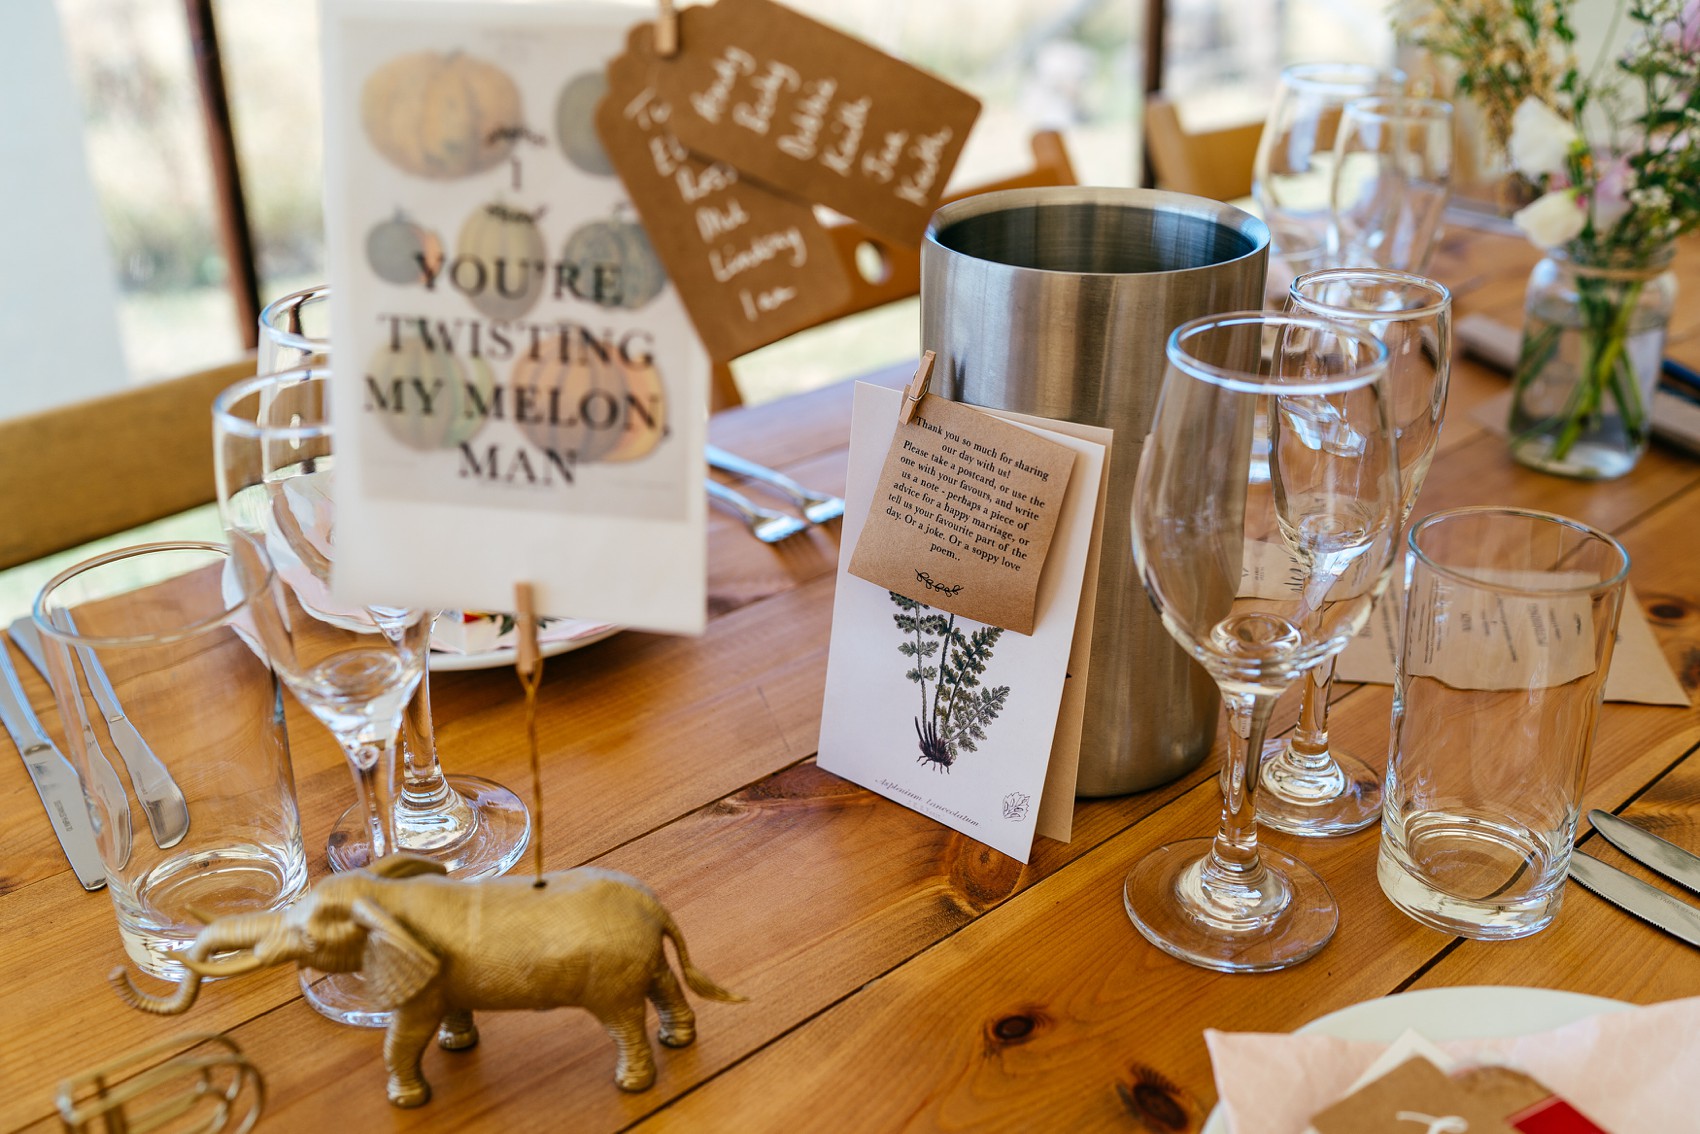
1668 610
1013 1029
1155 1102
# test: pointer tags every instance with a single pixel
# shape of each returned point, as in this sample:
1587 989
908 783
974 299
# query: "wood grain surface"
900 976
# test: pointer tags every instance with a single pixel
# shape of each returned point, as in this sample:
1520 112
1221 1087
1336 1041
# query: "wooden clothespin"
667 31
528 660
917 388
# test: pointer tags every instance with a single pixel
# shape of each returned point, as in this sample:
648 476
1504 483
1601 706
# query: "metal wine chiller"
433 950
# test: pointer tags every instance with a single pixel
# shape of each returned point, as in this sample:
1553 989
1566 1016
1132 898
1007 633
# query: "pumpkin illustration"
639 437
575 127
441 115
581 402
456 389
401 252
499 261
624 246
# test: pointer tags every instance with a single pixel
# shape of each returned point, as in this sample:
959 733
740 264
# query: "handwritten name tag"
963 518
751 265
816 113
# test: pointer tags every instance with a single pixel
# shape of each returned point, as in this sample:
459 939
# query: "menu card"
961 721
519 395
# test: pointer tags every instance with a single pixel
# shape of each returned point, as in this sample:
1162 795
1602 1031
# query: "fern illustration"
956 709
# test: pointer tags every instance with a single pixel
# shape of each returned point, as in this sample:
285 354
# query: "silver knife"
161 799
54 778
1648 849
106 784
1649 903
818 507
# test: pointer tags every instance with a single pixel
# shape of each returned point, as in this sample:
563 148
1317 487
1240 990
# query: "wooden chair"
78 472
898 273
1206 163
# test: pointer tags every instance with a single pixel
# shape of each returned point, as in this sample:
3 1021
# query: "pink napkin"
1629 1071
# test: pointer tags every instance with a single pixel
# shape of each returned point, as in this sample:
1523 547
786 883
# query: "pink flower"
1610 200
1554 219
1683 33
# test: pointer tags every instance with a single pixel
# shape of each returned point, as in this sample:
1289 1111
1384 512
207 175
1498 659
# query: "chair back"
1212 163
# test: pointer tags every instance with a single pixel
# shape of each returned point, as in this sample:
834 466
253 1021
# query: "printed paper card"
953 718
816 113
519 393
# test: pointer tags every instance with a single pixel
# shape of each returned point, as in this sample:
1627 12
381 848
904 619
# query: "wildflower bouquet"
1614 154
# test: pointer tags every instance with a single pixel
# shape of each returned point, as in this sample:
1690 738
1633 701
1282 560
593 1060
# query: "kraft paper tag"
964 514
816 113
1415 1097
751 265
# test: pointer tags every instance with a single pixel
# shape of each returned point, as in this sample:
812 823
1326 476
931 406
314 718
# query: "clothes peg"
917 388
667 31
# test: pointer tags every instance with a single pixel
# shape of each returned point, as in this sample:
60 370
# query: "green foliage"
956 714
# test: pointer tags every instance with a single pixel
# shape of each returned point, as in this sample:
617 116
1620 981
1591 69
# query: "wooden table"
899 975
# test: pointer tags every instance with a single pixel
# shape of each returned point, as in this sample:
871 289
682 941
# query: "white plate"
444 661
1441 1014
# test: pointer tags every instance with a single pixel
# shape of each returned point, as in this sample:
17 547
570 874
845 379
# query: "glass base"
341 997
1343 798
1471 877
1282 920
1584 461
480 832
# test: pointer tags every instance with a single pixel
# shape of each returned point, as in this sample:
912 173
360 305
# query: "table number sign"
751 265
816 113
957 719
519 394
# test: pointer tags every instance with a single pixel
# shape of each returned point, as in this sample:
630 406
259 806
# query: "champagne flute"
1292 174
1392 175
1310 787
353 668
1260 574
474 827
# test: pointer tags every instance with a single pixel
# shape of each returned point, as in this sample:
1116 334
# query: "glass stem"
422 782
1233 857
374 784
1308 748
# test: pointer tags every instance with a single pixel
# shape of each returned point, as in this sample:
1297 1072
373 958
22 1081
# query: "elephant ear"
396 966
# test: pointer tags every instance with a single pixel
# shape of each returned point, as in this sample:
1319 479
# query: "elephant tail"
698 981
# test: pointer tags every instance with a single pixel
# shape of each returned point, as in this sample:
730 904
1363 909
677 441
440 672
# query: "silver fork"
764 523
818 507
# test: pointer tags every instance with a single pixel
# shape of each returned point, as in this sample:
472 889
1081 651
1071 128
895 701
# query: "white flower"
1540 139
1554 219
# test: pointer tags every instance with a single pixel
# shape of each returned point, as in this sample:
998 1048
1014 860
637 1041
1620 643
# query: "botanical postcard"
519 394
947 716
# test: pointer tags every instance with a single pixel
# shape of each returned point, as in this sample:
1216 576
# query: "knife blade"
1662 855
162 800
1649 903
104 777
54 779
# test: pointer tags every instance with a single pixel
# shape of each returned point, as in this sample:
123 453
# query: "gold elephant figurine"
433 949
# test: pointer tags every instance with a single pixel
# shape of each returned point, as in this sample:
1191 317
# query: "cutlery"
161 799
1648 849
764 523
106 783
818 507
55 780
1649 903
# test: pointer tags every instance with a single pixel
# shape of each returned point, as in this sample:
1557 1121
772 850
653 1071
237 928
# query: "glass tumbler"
1509 625
174 723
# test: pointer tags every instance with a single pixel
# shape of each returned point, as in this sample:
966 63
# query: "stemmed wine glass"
352 668
1260 572
1292 174
1392 175
474 827
1308 786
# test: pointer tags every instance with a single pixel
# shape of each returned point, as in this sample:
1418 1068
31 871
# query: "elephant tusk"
229 966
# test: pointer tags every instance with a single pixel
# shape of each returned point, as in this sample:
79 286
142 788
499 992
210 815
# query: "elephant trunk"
226 934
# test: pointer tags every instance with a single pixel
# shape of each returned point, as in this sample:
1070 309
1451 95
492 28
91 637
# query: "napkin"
1629 1071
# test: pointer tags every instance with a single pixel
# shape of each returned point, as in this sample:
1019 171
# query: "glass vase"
1594 326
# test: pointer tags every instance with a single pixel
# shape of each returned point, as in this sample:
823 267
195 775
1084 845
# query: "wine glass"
474 827
1310 787
1260 575
1392 175
1292 174
352 668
